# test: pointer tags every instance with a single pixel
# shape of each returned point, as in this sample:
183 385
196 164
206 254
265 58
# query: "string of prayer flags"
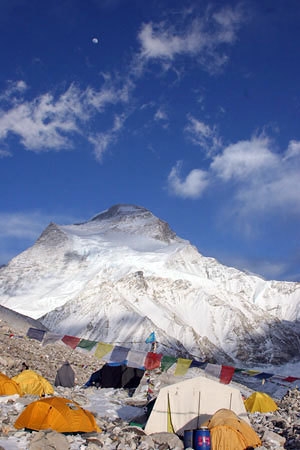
152 360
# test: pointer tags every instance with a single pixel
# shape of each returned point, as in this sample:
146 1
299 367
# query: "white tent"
187 404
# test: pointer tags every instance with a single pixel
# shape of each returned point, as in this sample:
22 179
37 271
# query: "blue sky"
190 109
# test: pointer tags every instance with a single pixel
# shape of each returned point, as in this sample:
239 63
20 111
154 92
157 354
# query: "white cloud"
263 181
244 159
203 37
293 150
203 135
160 115
49 123
260 180
101 141
14 88
192 186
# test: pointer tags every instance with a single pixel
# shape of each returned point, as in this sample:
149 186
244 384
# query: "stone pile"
281 427
278 431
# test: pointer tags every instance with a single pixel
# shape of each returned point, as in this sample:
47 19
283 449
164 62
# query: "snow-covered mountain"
125 273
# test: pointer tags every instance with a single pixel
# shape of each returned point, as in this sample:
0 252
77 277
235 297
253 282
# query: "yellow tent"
59 414
260 402
8 386
229 432
32 383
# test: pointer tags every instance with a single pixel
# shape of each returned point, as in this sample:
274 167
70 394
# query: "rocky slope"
279 430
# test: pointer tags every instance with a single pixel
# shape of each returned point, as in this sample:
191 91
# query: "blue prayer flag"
151 338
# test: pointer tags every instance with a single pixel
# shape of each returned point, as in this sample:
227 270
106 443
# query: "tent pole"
199 397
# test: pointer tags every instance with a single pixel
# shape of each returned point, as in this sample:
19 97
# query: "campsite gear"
58 414
260 402
229 432
188 439
202 439
31 382
65 376
8 386
182 406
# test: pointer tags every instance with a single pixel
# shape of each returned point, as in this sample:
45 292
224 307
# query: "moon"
95 40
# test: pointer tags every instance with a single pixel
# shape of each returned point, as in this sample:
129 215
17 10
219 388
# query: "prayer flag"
51 338
152 360
226 374
102 349
71 341
167 362
182 366
213 369
86 344
119 354
151 338
136 358
34 333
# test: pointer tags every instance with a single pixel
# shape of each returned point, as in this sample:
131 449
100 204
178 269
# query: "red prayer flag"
290 379
226 374
152 360
71 341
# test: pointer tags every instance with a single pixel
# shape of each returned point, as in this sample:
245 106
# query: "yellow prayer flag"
102 349
182 366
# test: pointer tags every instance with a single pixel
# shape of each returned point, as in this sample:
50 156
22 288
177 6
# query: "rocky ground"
278 430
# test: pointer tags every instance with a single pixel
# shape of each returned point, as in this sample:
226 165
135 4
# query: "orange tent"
229 432
59 414
8 386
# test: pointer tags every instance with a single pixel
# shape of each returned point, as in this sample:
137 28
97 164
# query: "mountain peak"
121 209
134 220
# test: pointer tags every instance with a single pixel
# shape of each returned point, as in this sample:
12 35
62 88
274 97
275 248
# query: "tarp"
59 414
229 432
111 376
260 402
191 402
65 376
31 382
8 386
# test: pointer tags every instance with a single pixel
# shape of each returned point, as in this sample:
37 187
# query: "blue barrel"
202 439
188 438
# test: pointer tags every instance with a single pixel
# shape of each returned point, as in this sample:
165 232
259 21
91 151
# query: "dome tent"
229 432
58 414
260 402
8 386
32 383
